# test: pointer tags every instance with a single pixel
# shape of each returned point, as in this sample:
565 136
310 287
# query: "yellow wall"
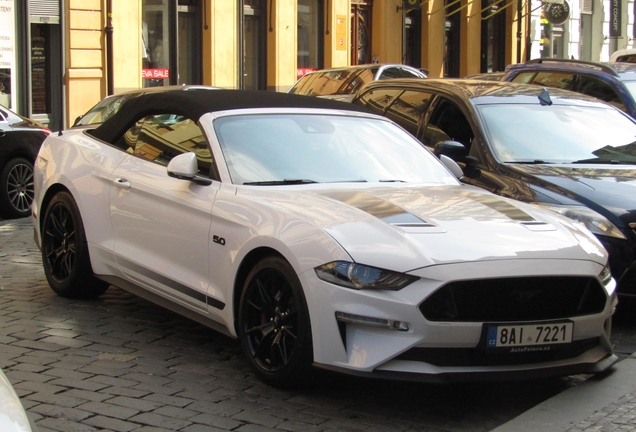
220 44
338 41
433 55
471 38
127 52
84 58
386 43
282 45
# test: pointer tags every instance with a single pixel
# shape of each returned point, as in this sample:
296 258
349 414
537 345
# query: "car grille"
466 357
515 299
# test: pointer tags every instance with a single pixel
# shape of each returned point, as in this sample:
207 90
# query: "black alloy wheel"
274 324
16 183
65 251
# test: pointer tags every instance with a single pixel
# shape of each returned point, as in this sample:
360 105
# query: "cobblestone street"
120 363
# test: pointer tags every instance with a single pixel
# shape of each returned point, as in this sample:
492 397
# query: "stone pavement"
120 363
604 403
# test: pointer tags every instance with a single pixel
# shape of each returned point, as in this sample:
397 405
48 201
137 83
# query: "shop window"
310 45
171 42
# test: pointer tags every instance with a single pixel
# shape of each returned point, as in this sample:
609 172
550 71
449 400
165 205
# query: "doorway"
361 31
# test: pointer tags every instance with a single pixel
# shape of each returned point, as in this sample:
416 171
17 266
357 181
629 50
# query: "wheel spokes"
20 187
271 321
60 247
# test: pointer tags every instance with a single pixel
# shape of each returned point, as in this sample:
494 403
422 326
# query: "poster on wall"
7 51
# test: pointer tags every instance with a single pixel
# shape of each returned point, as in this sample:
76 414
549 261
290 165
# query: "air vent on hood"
387 212
538 226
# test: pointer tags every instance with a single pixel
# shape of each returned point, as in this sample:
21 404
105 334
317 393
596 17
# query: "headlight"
357 276
605 275
587 217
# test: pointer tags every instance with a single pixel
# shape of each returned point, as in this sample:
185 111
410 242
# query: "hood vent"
538 226
386 211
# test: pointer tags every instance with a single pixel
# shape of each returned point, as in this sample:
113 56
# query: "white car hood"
416 227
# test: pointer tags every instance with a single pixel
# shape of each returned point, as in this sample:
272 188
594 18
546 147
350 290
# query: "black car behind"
20 140
558 149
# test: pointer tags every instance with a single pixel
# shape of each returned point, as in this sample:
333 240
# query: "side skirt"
163 302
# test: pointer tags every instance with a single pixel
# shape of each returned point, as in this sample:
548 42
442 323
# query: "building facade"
59 57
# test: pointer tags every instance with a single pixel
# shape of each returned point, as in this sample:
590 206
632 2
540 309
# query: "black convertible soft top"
193 102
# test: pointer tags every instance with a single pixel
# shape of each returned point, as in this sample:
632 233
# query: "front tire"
274 327
16 188
65 256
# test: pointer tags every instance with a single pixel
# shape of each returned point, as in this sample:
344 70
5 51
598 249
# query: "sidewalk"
604 403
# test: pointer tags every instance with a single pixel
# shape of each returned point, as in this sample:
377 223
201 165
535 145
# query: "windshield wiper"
603 161
280 182
391 181
530 162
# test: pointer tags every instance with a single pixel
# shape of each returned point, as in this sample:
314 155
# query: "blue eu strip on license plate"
537 334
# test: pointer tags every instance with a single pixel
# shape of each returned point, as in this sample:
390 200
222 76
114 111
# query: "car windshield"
102 111
631 87
559 134
330 82
312 148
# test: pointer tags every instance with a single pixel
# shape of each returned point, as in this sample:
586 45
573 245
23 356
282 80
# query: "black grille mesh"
515 299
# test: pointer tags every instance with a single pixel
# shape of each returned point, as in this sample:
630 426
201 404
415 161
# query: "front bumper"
442 351
448 376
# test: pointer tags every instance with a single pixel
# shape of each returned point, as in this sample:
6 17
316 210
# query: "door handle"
122 183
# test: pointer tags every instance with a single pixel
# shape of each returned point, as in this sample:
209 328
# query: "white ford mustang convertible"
320 236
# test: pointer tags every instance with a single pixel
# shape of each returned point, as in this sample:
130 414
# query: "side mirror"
77 120
452 166
185 167
452 149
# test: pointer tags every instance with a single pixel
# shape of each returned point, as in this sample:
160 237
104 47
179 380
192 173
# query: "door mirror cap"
452 166
186 167
183 166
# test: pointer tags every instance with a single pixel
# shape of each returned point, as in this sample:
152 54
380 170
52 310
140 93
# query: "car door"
161 224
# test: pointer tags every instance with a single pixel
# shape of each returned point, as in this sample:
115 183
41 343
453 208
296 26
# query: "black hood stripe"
501 206
380 208
395 215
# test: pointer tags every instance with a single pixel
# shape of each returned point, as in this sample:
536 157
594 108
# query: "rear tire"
65 256
16 188
274 327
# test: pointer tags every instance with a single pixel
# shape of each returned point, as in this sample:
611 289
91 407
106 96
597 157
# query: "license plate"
529 334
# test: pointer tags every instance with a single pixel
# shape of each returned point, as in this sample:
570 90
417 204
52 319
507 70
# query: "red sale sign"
301 72
155 73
